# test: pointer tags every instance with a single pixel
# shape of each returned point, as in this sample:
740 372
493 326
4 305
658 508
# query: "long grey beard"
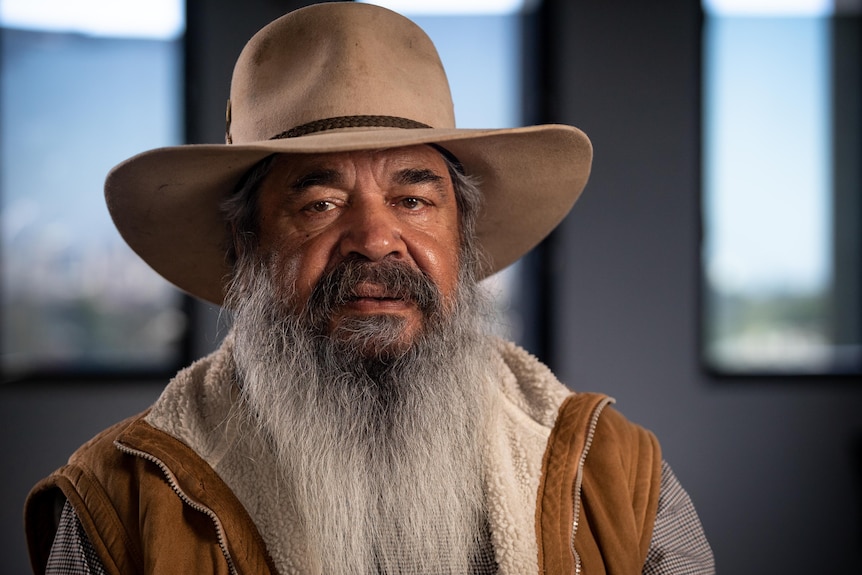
381 458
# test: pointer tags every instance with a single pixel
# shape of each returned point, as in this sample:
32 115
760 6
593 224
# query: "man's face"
398 205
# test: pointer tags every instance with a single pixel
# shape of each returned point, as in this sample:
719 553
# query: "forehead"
391 160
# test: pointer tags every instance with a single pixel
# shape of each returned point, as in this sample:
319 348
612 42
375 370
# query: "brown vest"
598 492
149 504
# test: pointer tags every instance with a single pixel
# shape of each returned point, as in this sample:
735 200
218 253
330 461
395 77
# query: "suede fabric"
598 496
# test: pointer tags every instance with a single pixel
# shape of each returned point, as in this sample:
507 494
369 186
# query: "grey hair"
241 210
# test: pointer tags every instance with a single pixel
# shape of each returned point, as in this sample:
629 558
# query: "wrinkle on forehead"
341 166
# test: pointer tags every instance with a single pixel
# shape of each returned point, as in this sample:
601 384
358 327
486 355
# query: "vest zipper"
579 478
172 481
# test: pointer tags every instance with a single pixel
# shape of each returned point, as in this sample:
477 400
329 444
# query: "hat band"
350 122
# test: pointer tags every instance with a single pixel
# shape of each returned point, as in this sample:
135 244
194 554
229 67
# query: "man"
358 419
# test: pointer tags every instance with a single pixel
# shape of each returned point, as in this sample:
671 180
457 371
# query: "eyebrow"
328 176
316 177
417 176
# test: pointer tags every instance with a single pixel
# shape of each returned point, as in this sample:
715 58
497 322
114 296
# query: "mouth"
372 297
374 291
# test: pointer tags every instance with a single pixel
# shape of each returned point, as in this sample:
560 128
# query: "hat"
337 77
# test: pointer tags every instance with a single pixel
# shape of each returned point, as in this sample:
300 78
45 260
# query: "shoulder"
590 423
80 481
97 462
614 429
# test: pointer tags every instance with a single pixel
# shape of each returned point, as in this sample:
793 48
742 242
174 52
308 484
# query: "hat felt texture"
339 77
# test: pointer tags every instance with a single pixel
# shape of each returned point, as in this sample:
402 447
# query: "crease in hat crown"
337 61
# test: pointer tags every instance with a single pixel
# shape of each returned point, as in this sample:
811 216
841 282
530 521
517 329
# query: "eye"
412 203
320 206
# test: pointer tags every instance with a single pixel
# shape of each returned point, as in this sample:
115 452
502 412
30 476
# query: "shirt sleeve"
72 553
678 545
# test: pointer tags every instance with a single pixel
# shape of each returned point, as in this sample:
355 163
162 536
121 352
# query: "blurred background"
709 278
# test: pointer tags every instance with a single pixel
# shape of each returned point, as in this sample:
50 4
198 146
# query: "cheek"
439 257
295 272
445 265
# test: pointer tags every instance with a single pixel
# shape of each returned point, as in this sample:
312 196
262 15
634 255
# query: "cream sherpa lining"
196 409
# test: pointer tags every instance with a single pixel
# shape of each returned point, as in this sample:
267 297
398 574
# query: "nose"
373 231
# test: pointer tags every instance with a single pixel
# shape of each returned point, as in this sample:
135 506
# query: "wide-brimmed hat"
330 78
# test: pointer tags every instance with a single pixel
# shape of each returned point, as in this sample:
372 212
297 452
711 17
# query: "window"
84 86
781 139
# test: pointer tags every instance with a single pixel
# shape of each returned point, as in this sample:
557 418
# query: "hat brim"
165 202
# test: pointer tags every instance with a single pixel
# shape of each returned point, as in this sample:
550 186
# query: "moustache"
388 278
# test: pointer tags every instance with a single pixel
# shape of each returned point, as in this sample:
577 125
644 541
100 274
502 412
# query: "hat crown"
334 60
